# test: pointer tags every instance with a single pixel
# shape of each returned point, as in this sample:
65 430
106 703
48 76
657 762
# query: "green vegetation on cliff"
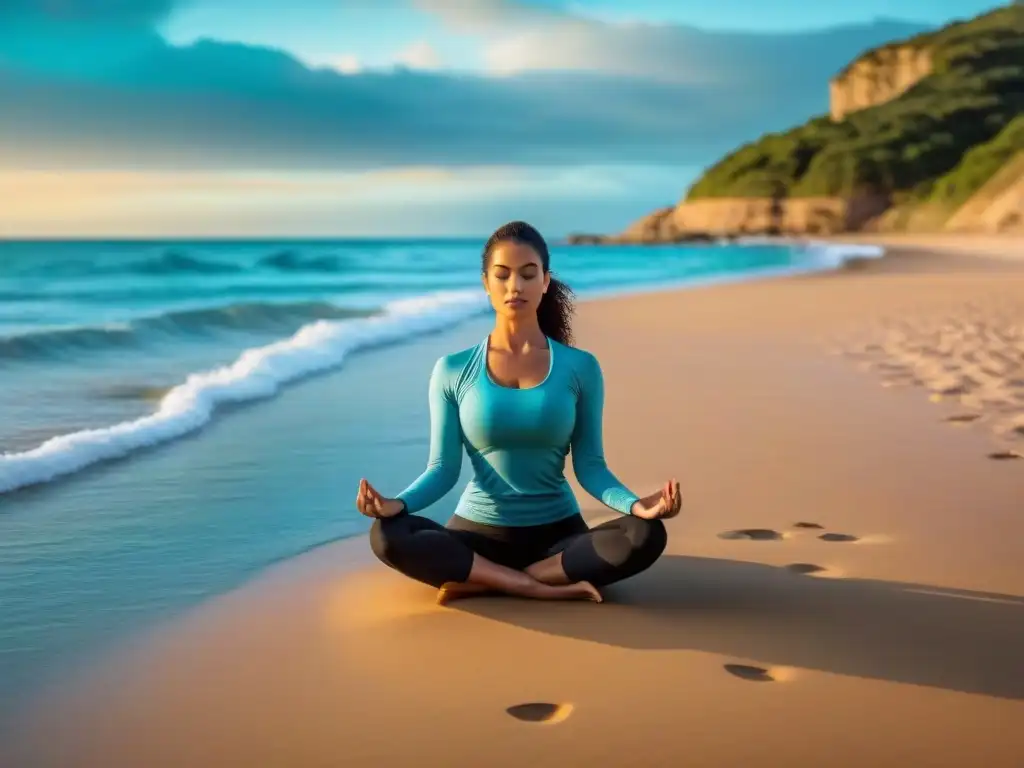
940 141
980 164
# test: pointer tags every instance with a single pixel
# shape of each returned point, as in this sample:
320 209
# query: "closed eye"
527 273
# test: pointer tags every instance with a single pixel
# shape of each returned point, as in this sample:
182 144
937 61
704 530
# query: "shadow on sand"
971 642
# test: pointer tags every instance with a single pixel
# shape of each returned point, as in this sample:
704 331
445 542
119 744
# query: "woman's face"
515 279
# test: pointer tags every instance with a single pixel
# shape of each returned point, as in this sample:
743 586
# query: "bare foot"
584 590
453 590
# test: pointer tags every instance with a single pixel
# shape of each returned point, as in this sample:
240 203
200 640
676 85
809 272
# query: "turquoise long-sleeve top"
517 440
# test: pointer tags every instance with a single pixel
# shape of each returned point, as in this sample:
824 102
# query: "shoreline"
181 408
1002 246
953 244
736 383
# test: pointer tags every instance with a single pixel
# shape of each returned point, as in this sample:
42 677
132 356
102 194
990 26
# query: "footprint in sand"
804 568
962 418
812 526
751 673
838 537
540 712
752 534
1006 455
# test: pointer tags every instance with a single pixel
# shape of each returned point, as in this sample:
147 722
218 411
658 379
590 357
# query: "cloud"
520 38
109 96
484 17
347 64
420 55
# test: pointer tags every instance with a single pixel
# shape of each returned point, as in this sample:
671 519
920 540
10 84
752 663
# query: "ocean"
177 416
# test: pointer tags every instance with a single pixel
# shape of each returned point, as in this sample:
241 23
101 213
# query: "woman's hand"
372 504
663 503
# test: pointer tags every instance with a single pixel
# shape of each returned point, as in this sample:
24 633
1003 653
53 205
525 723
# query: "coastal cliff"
917 134
877 78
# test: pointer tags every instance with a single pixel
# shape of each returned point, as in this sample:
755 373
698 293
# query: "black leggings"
435 554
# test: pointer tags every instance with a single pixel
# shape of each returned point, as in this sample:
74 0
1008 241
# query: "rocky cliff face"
876 78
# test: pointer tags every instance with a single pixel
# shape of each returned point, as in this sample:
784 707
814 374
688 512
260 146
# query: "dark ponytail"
555 312
556 307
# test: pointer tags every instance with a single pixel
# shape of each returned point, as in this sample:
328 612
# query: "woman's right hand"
372 504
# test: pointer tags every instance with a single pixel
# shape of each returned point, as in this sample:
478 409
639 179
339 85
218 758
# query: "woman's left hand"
663 503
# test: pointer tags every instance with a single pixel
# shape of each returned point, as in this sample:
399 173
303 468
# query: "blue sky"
401 117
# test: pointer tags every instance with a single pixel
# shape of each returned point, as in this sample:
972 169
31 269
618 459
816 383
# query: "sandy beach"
844 586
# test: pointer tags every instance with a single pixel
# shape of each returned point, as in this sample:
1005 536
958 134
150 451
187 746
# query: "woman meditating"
519 401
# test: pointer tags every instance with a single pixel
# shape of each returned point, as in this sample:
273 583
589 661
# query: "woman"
519 401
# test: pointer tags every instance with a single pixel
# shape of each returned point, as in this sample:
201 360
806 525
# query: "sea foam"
835 255
258 373
824 255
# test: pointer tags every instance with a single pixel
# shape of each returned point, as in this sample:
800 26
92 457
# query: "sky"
400 117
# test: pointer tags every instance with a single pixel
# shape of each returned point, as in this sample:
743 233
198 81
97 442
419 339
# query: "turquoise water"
167 430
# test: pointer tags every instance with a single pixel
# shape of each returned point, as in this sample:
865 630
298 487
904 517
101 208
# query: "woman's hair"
556 306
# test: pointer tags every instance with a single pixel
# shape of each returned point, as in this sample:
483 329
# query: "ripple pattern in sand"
970 355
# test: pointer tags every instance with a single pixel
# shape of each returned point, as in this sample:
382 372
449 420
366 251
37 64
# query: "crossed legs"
573 567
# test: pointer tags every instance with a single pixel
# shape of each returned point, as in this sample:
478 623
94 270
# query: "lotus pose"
519 401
